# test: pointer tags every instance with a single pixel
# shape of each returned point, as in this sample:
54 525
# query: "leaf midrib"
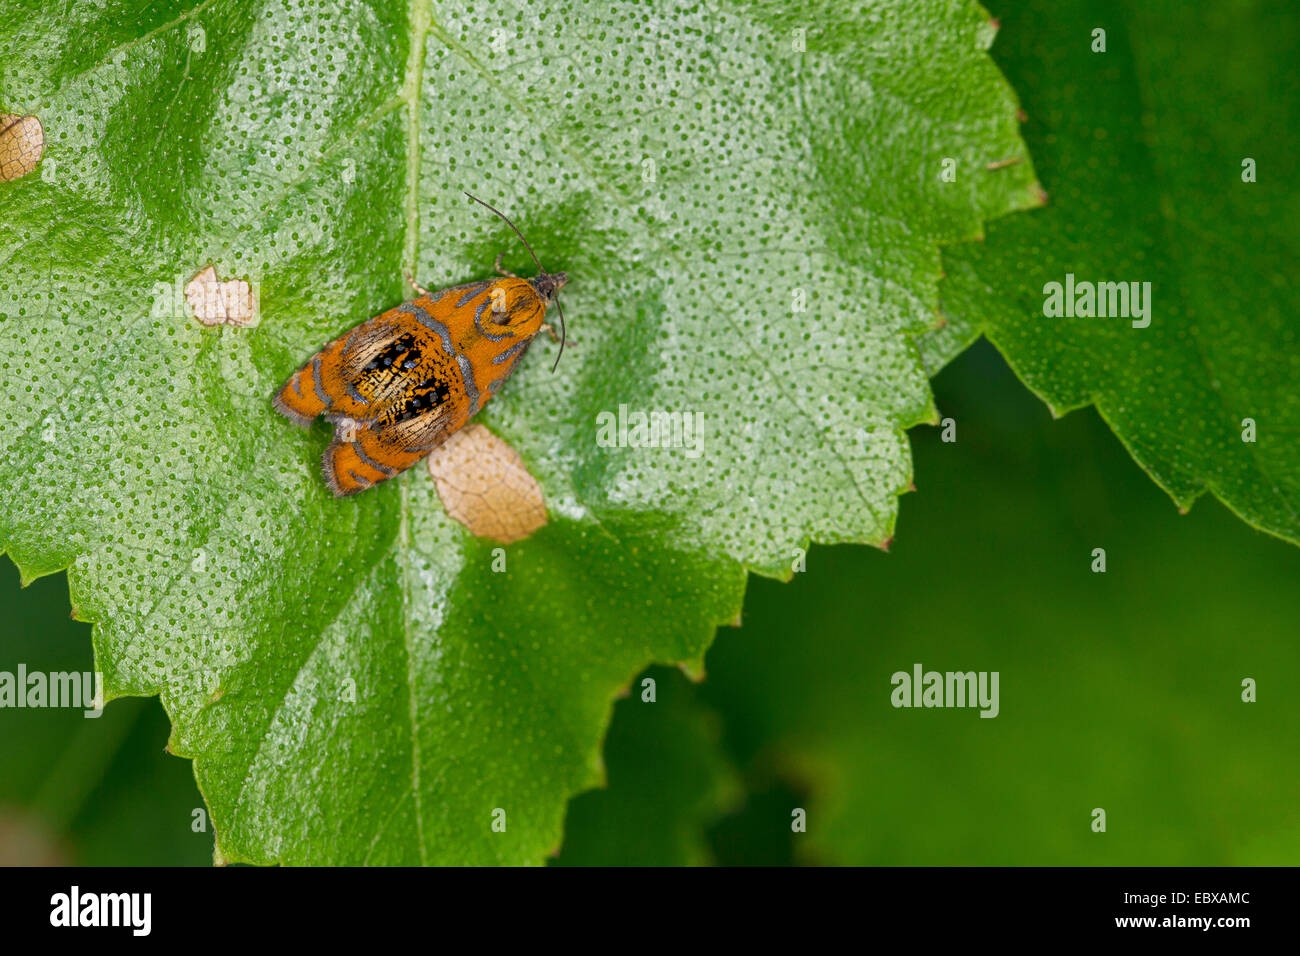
421 16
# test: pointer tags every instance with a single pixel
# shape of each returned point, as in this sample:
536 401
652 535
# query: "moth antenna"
540 268
563 334
504 219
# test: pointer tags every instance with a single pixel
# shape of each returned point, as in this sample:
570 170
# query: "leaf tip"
694 670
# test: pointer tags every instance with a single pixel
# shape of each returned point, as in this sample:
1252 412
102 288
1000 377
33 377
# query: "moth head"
547 284
514 305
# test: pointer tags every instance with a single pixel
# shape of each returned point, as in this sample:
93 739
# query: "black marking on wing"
428 396
401 352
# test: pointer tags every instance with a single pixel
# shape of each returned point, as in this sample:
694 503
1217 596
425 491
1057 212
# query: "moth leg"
503 272
550 330
420 289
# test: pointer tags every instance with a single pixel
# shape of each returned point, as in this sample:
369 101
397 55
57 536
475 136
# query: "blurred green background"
1119 690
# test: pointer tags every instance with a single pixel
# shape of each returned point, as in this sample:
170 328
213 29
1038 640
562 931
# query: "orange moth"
397 386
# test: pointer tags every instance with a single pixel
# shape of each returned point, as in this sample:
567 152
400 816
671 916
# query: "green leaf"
78 789
1120 690
353 679
1142 148
668 782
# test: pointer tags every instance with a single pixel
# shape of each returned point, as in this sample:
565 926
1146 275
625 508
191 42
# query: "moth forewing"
397 385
